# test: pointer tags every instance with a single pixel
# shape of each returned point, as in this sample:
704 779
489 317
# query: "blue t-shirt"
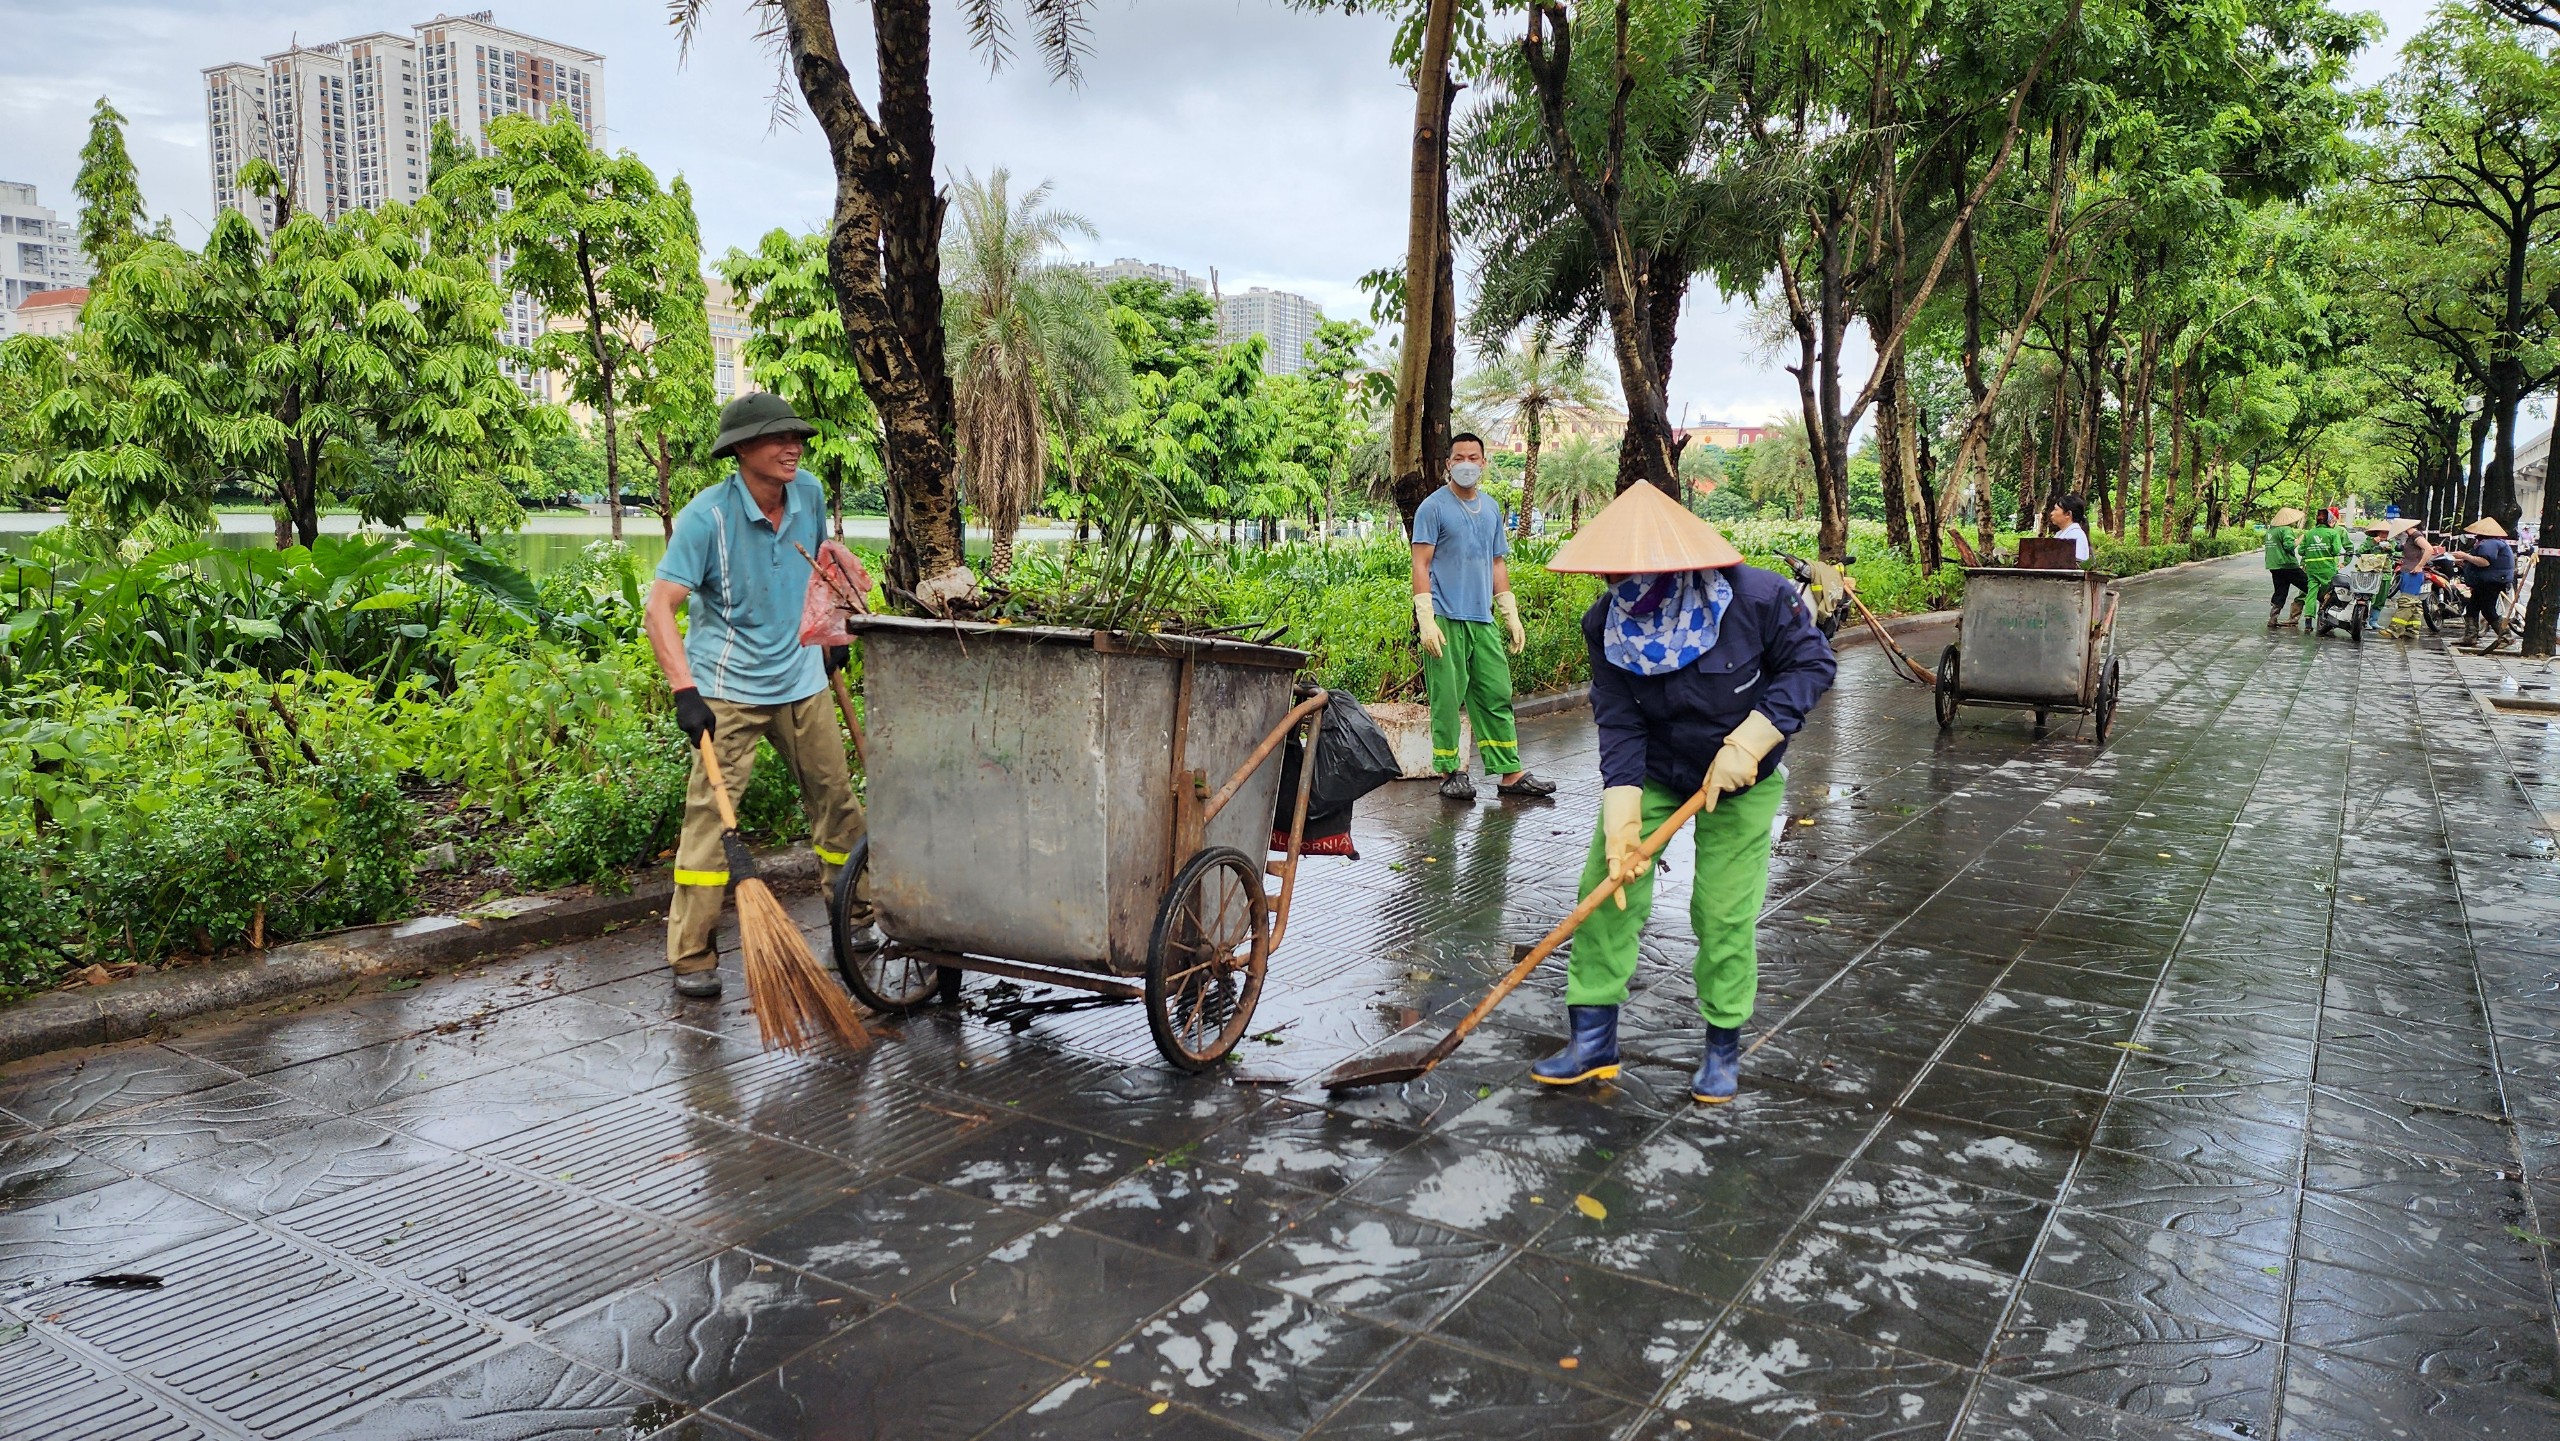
2501 569
1466 538
748 584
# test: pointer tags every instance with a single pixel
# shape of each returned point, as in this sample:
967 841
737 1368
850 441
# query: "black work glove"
693 714
837 655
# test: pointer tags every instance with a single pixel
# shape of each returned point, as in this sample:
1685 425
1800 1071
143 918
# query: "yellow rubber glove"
1622 836
1737 766
1428 628
1509 610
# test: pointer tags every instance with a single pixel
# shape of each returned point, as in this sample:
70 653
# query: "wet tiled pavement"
2200 1086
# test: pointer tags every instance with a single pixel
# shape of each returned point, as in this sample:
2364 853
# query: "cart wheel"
1950 670
880 976
1206 957
2042 714
2430 612
2110 682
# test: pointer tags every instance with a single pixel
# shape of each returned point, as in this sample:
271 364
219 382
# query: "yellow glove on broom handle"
1425 626
1509 609
1622 836
1737 764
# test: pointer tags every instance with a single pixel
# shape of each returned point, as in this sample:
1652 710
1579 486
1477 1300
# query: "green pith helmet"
760 414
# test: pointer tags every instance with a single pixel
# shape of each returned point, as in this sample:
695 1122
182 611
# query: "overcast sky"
1238 134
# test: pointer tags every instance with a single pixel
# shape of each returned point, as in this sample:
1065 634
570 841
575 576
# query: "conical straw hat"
1641 532
2485 525
2287 516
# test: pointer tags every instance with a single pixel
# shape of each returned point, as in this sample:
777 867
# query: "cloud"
1264 141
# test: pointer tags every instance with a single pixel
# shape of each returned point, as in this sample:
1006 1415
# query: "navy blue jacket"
1666 728
2501 569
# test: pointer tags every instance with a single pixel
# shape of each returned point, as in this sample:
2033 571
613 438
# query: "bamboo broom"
793 999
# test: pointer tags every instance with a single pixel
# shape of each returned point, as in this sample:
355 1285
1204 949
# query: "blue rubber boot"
1720 1074
1592 1054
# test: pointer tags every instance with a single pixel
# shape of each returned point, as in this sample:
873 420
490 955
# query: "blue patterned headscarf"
1661 622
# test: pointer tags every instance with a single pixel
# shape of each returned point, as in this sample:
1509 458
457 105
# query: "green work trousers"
1471 676
810 740
1725 898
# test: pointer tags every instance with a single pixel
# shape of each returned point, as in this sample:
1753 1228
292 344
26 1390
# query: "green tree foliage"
1520 383
111 212
277 362
676 415
799 351
592 239
1031 347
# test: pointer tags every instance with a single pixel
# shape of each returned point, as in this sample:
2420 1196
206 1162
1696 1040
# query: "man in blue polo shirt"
739 671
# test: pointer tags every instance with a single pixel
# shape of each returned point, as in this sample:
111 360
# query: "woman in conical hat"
1701 667
2489 564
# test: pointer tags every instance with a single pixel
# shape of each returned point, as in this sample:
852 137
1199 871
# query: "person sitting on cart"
2490 566
2284 567
739 671
1701 667
2069 517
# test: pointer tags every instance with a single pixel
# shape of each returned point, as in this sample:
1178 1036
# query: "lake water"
546 543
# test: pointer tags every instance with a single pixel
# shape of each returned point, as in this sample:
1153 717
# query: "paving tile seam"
2044 1231
2524 1162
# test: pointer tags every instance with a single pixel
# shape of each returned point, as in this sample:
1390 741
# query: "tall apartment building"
1286 322
38 251
1124 268
476 70
349 121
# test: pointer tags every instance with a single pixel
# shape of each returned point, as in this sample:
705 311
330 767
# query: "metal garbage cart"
2040 640
1079 808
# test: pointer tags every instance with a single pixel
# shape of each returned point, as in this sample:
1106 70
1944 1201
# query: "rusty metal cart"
1077 808
2039 640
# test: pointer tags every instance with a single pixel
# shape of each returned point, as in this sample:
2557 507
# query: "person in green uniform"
2324 549
1701 667
1461 581
2284 567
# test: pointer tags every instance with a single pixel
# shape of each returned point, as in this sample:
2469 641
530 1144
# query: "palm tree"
1028 342
1582 470
1521 383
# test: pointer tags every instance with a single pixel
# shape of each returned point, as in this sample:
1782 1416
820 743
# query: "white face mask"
1465 473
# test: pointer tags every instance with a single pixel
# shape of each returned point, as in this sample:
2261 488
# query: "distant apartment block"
1286 322
349 122
729 332
38 251
1174 276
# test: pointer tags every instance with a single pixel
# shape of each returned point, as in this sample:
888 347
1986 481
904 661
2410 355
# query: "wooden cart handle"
1262 753
719 787
1648 848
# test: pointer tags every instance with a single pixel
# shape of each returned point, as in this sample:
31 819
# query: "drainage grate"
263 1333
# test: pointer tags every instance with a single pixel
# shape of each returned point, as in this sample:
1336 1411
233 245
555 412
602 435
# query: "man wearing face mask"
1461 580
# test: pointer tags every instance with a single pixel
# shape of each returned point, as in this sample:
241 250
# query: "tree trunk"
2469 509
2213 497
2028 450
2124 451
663 453
1897 510
1532 419
884 259
603 356
1413 463
2177 530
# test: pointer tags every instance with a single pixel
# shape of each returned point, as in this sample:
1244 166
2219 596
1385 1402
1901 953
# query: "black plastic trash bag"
1352 759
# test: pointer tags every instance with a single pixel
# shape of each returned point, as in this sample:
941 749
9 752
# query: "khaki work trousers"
811 742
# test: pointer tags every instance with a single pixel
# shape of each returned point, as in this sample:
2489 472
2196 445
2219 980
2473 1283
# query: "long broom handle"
719 787
1648 848
852 722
